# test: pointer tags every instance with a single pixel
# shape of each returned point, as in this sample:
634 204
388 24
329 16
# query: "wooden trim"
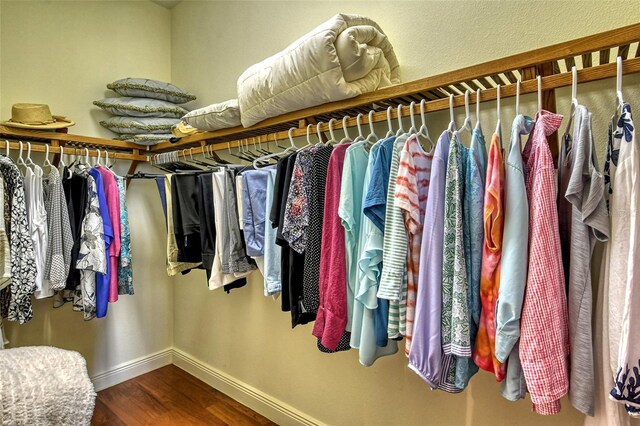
12 132
92 152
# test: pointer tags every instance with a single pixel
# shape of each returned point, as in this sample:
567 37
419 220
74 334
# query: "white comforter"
342 58
42 385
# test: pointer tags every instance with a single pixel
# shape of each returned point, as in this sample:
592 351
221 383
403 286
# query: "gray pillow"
215 117
145 88
141 107
139 125
146 139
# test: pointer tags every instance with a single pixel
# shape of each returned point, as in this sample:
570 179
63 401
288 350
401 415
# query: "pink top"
544 331
112 195
331 319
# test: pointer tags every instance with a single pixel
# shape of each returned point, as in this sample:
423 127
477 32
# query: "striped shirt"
412 188
394 274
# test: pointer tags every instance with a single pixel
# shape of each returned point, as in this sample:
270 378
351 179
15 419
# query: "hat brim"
60 123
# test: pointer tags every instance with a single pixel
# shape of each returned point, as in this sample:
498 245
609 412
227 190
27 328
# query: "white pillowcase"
215 117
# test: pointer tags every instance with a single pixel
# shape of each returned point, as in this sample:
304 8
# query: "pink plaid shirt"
544 344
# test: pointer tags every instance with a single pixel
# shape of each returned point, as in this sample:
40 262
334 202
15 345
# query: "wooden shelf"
594 56
597 53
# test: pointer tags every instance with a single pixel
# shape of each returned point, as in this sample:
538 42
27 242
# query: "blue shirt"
513 265
103 280
375 202
254 200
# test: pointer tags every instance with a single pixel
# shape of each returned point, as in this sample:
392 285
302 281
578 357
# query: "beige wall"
64 54
243 333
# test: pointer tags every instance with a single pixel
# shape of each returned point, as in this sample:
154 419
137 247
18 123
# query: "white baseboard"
270 407
129 370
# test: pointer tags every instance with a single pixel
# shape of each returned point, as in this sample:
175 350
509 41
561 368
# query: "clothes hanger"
7 147
619 98
539 92
518 97
46 162
478 125
319 133
20 159
390 131
412 129
372 138
29 161
574 104
452 121
400 129
498 113
360 137
347 137
269 156
423 130
466 124
309 126
331 134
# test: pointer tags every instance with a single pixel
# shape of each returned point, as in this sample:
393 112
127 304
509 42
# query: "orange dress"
484 351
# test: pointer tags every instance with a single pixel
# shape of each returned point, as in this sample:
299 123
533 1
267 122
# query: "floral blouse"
92 254
15 300
125 266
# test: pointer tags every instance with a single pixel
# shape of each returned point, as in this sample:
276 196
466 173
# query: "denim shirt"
513 268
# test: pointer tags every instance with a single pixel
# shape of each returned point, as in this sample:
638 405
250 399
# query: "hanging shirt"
207 219
283 182
393 279
60 244
125 262
174 267
513 264
349 210
456 340
102 278
75 192
186 217
113 204
493 217
365 305
296 215
218 277
272 252
92 256
331 319
426 357
37 218
375 203
254 196
624 211
239 263
544 327
5 255
473 237
311 281
585 191
607 411
412 189
15 299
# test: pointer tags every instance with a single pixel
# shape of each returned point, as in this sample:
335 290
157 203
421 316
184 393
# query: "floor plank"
170 396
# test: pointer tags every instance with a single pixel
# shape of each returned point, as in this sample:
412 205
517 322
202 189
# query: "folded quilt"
346 56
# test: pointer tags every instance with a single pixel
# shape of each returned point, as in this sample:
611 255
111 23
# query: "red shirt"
331 318
544 332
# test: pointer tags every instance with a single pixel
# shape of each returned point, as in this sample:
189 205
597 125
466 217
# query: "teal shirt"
350 212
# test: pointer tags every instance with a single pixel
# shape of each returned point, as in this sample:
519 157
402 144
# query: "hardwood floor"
170 396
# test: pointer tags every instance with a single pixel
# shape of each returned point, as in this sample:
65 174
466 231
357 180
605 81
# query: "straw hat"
35 116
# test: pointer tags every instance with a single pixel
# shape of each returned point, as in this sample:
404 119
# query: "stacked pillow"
145 111
210 118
